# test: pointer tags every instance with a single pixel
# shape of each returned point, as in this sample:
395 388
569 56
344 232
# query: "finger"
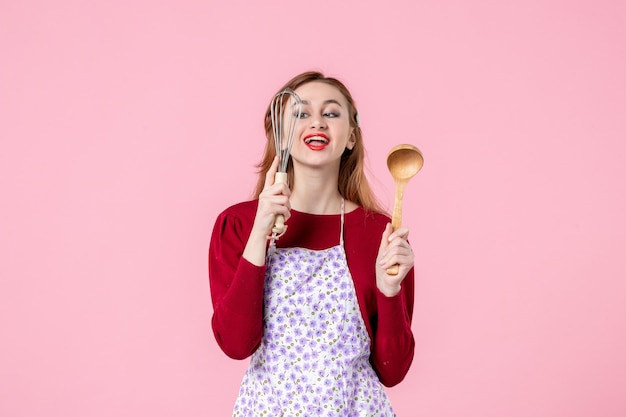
280 201
269 209
398 251
404 261
276 189
397 245
402 232
271 173
273 204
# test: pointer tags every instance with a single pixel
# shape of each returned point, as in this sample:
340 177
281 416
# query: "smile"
316 141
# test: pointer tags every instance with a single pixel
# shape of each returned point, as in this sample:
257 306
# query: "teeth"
316 138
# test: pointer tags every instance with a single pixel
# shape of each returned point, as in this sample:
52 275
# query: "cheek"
345 133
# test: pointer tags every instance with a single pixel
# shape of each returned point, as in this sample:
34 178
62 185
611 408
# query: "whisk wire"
285 111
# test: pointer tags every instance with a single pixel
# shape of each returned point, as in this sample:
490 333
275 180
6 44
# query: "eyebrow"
329 101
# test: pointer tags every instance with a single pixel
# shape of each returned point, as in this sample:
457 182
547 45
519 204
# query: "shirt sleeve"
388 319
393 346
236 288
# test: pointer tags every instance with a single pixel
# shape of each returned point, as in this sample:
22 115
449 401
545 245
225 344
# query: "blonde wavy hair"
353 184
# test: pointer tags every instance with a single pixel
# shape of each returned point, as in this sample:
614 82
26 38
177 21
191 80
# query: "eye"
331 114
301 115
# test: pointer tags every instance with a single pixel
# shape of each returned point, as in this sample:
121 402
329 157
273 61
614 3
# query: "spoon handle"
396 218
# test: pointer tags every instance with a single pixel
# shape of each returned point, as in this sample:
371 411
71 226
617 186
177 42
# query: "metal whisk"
285 112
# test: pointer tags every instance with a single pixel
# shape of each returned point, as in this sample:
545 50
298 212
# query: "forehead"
317 92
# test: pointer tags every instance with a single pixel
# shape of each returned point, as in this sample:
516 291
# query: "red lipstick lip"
314 146
321 135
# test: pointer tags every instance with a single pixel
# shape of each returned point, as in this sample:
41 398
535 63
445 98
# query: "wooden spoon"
403 161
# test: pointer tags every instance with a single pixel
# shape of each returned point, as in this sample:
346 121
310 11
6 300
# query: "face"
324 130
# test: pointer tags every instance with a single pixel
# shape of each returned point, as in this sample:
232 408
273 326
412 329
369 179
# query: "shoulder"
243 209
239 216
363 228
360 217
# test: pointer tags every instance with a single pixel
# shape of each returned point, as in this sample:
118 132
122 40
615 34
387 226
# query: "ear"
351 140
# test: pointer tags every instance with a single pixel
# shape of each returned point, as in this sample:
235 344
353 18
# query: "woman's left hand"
394 250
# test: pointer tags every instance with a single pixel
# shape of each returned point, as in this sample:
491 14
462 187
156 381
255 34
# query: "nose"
318 122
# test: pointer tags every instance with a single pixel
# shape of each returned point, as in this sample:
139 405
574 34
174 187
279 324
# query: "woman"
323 321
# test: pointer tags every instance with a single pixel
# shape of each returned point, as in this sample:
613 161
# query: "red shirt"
237 285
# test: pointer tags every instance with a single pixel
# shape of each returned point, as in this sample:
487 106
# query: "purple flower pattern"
314 356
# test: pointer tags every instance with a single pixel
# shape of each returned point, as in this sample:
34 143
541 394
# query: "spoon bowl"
403 161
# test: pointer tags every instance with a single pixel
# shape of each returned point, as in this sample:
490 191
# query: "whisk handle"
279 222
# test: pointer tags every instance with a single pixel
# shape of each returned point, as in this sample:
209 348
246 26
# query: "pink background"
127 126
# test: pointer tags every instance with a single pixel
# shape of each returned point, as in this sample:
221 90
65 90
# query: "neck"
317 194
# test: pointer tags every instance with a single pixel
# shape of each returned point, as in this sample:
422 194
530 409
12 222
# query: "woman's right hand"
273 200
